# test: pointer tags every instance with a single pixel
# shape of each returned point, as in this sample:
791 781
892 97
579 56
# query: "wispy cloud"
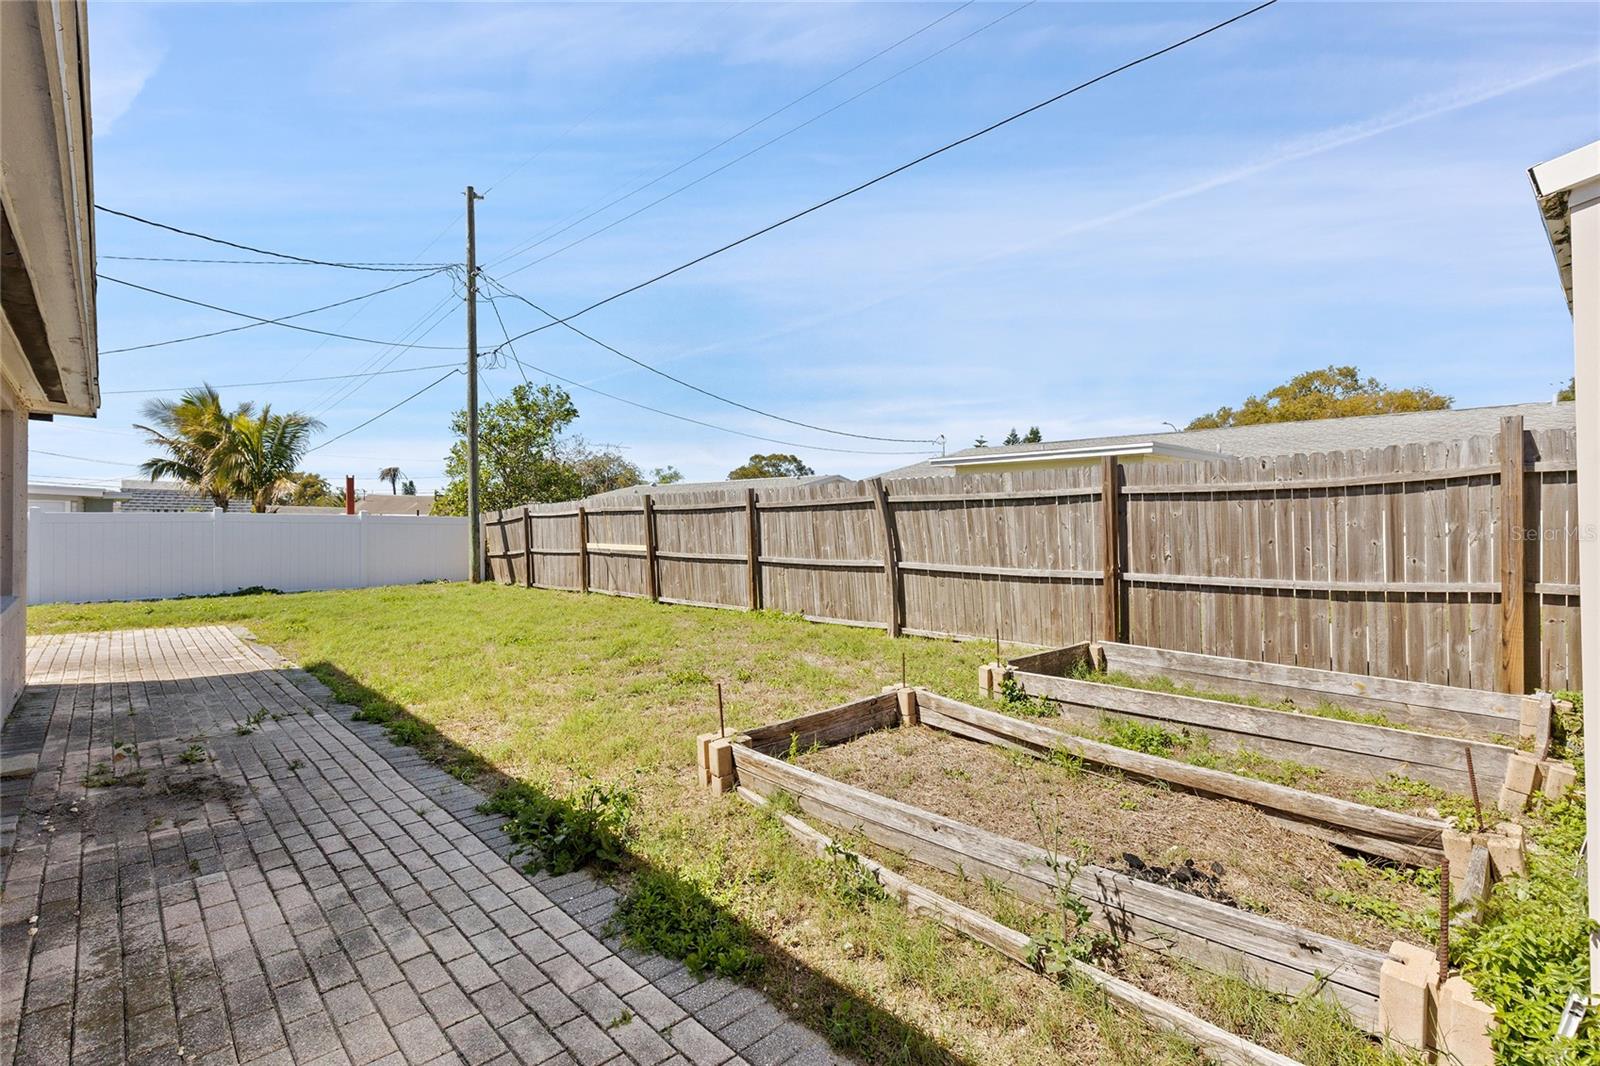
1294 150
128 49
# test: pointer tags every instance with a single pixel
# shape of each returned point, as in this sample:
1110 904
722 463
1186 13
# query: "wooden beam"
1476 713
1111 555
583 549
1353 748
652 575
752 544
527 548
1218 1044
891 558
1281 957
1512 546
1388 834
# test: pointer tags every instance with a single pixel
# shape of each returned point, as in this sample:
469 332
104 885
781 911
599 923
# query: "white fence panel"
78 557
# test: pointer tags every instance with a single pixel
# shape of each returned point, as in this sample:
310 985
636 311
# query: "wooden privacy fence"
1452 563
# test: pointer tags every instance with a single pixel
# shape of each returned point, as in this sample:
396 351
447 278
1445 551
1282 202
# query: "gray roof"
716 486
169 496
1321 435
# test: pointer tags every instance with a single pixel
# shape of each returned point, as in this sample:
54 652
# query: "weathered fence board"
1395 562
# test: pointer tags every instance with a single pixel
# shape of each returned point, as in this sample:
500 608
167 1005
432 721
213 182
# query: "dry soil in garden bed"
1105 817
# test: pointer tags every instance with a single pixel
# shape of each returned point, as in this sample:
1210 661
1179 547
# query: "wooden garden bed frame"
1278 956
1355 748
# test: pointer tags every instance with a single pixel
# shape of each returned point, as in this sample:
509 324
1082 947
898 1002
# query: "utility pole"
474 524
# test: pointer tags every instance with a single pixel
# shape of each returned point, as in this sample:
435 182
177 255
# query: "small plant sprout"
193 755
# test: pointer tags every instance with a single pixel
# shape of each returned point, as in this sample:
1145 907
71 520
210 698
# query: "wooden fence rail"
1453 563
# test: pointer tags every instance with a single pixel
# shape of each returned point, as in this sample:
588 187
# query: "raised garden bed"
1213 935
1318 735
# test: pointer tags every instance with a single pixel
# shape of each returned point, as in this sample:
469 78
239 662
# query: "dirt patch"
1103 817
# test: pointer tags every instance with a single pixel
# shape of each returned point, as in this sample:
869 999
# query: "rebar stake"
722 725
1472 782
902 669
1443 949
997 659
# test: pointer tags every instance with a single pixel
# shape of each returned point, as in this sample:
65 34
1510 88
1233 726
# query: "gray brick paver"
306 892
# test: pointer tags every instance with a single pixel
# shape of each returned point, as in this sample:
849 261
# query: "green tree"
1013 437
311 490
392 475
519 450
666 475
598 470
776 464
1033 436
1569 392
223 454
193 431
1332 392
264 451
408 488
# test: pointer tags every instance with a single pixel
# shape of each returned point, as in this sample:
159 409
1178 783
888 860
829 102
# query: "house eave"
1559 185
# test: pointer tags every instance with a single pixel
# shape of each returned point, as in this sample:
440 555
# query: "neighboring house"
1275 438
72 498
48 362
371 503
147 496
758 483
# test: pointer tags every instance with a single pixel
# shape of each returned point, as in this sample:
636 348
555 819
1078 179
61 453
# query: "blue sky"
1319 183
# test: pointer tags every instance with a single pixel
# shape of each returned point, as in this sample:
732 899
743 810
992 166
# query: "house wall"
13 541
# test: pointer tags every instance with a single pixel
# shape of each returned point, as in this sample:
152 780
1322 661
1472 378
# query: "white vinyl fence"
85 557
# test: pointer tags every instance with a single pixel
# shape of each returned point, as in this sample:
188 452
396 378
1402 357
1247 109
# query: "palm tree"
392 475
222 453
194 430
265 451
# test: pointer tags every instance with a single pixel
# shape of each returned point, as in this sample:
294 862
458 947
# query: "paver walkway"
212 864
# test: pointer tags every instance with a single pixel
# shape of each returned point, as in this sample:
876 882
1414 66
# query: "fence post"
1514 546
752 541
362 532
652 580
891 558
583 549
527 548
1111 561
505 547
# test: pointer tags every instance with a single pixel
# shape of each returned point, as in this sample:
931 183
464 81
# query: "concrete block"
1407 996
1458 849
702 746
1508 850
1558 777
1513 802
908 706
720 758
1464 1024
1522 773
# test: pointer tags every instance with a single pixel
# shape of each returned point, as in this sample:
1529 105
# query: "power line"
385 359
81 458
696 388
385 411
270 322
769 142
870 182
399 267
708 425
541 238
285 381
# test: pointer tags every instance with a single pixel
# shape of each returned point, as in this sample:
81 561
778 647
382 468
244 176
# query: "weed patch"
672 916
562 835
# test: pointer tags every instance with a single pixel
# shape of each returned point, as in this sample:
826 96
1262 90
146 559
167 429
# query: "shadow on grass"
661 911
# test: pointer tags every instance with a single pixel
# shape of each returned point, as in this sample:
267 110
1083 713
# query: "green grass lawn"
559 691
